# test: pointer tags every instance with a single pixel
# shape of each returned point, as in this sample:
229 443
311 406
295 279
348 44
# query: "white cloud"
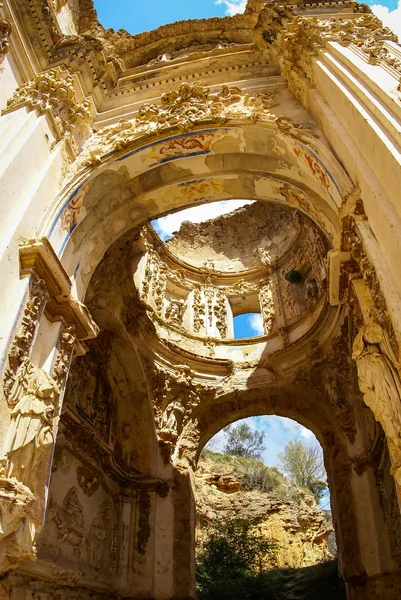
390 18
166 226
255 322
233 7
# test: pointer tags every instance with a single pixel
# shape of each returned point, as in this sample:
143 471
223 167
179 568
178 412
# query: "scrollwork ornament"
5 32
52 92
64 355
23 339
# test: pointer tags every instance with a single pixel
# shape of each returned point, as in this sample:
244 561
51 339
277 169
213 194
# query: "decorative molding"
52 93
181 109
301 39
5 32
21 345
38 258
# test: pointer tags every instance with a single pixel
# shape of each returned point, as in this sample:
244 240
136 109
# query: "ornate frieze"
184 109
301 38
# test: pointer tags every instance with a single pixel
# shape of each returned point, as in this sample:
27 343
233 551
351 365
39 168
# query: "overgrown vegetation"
244 441
234 563
257 476
304 463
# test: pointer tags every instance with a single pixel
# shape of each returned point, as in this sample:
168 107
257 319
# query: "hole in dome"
136 17
248 325
170 224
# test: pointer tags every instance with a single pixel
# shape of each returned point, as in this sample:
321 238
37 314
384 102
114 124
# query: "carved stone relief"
21 345
5 32
268 307
87 480
380 385
302 38
69 520
52 92
63 357
124 454
199 312
88 391
175 312
185 108
81 526
33 401
175 398
360 267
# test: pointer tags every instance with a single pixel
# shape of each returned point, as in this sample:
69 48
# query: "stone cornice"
38 258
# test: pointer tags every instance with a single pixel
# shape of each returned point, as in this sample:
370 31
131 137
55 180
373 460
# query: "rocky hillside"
286 514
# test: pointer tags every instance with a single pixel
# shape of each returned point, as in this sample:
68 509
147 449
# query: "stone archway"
257 142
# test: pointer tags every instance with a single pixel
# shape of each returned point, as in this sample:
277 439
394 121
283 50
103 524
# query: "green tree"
233 561
243 441
304 463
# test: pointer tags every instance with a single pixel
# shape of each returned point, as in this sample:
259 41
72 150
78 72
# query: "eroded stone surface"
299 529
104 131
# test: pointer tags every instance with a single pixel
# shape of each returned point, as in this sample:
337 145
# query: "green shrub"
260 477
232 564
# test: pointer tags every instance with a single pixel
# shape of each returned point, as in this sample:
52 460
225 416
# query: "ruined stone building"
118 361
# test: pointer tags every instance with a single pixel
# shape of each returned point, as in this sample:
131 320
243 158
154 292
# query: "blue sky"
136 15
278 432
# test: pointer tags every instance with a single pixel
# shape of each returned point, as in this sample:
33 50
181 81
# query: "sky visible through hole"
248 325
136 16
278 431
166 226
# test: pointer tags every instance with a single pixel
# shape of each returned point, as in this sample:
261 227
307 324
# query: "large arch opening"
193 383
172 375
263 513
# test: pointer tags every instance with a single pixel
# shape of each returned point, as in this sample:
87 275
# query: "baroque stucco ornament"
133 409
380 385
33 401
302 38
5 32
52 92
182 109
